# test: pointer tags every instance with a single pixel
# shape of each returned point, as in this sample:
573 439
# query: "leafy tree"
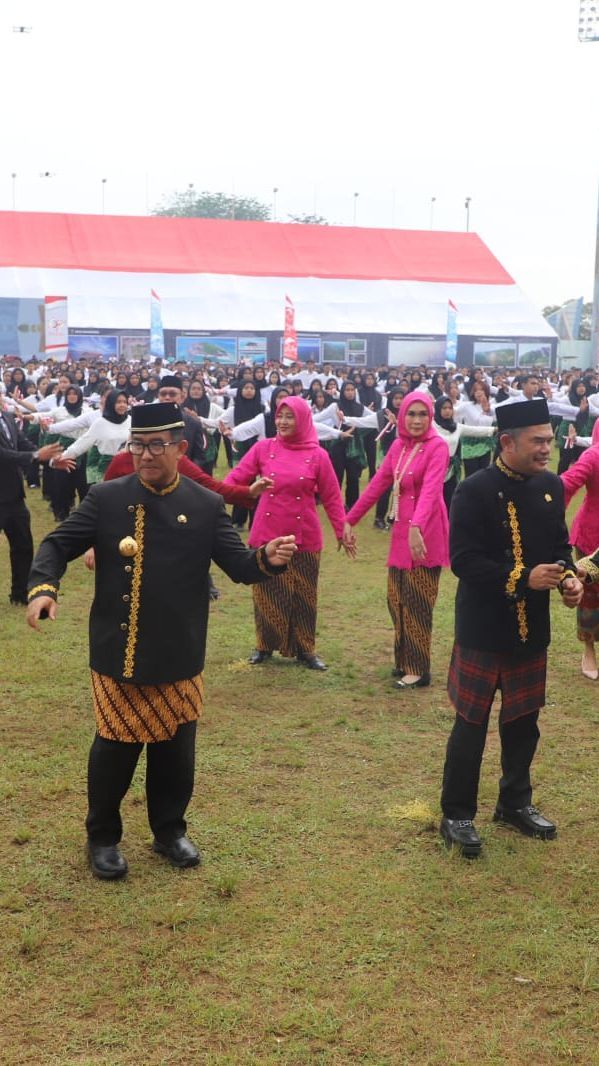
192 204
309 220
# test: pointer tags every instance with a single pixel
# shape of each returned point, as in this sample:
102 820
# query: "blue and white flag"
451 344
156 330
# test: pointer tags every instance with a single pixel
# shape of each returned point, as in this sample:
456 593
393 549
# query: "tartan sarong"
475 677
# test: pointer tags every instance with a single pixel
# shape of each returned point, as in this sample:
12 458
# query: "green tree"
309 220
191 204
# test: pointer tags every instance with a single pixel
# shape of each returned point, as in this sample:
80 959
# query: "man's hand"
572 591
545 576
260 486
281 550
49 451
416 544
90 559
35 608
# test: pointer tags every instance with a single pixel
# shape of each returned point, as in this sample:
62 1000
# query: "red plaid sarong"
475 677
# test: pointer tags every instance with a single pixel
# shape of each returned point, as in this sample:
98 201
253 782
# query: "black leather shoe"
396 672
379 523
313 662
106 862
180 852
259 657
527 820
422 682
461 833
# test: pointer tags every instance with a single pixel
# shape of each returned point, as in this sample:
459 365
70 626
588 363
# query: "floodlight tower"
588 30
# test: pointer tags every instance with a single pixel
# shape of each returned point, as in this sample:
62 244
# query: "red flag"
290 335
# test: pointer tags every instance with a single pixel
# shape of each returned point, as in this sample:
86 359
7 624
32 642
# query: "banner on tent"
290 334
156 330
57 327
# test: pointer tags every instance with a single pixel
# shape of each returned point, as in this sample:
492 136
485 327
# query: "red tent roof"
261 249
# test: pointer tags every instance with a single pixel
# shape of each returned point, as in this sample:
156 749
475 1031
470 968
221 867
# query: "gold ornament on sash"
128 547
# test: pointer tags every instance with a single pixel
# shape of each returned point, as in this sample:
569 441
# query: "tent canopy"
214 274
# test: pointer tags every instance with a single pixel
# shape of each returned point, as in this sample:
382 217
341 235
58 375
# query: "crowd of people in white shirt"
86 406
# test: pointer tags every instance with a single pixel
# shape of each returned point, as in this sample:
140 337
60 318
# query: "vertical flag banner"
290 335
156 330
57 327
451 344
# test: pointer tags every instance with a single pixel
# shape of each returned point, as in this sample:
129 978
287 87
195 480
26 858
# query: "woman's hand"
416 544
348 541
390 416
260 486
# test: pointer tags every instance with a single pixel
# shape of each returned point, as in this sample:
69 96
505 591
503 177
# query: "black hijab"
247 408
349 407
269 418
74 409
369 395
200 406
446 423
109 412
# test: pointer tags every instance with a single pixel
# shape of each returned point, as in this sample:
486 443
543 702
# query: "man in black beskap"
17 454
171 391
509 548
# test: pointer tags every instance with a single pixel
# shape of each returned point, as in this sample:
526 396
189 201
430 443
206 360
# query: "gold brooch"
128 546
182 518
548 497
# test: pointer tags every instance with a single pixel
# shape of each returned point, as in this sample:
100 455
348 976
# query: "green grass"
328 924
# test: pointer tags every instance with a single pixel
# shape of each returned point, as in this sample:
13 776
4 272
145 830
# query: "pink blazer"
585 527
299 475
420 503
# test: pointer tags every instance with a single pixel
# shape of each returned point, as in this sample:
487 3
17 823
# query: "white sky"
399 101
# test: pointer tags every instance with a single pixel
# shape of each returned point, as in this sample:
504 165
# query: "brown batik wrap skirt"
411 597
144 713
285 608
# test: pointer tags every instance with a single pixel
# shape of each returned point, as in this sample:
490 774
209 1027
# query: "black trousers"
449 488
370 449
382 506
481 462
169 785
15 520
465 748
64 486
352 470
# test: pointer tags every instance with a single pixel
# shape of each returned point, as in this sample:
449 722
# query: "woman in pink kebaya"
414 468
285 607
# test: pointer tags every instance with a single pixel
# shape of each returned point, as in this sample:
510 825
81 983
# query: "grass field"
328 925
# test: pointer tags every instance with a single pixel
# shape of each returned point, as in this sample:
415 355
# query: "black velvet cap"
171 381
521 414
154 417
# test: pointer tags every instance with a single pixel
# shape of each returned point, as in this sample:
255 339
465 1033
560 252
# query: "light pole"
104 180
274 203
356 194
467 206
433 202
14 191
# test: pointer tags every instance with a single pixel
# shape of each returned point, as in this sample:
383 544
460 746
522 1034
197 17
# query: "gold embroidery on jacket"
129 663
516 571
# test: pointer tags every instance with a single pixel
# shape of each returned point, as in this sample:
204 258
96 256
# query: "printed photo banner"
57 327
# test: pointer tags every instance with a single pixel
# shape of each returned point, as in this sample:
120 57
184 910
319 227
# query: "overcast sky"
398 100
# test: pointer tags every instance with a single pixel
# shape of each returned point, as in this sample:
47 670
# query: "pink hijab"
305 434
402 432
